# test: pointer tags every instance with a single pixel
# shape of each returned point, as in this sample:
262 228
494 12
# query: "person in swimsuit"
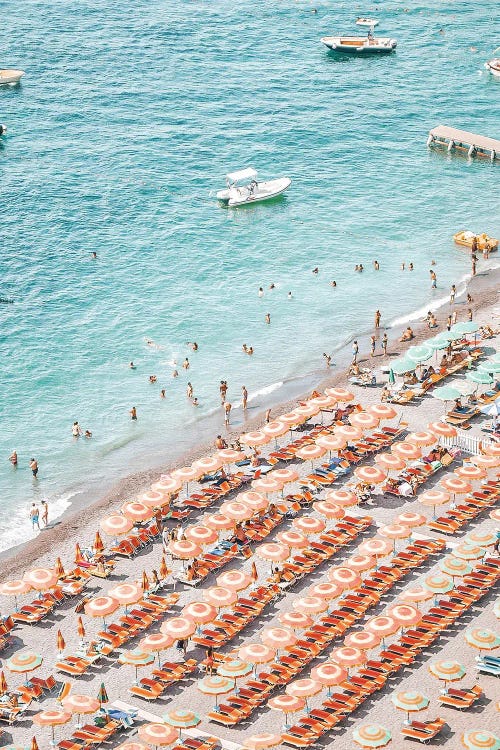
34 515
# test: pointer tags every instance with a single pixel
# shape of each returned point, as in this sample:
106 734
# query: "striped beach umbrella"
126 593
416 594
178 627
116 525
482 639
234 669
410 701
486 462
395 531
15 589
349 432
424 438
297 620
383 625
382 411
303 688
329 674
215 685
370 474
345 577
262 741
156 642
254 500
405 615
408 451
372 735
433 498
438 583
158 735
101 606
220 596
471 473
24 662
230 455
363 639
51 718
467 551
419 353
61 643
41 579
348 656
98 543
344 498
339 394
235 580
167 484
309 524
136 657
181 719
102 695
293 539
332 442
208 464
34 744
455 567
278 638
390 462
411 519
201 534
256 653
80 628
288 704
328 509
448 671
364 420
133 746
491 449
310 605
184 549
442 429
3 683
360 563
480 739
199 612
80 705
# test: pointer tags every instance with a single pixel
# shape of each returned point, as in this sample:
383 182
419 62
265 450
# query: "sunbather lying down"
408 335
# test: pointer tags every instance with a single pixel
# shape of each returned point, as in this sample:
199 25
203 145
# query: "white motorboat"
493 66
10 75
243 188
363 44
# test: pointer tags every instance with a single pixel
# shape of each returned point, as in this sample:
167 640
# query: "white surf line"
195 733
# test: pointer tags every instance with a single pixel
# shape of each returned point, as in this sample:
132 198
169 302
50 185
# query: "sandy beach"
80 523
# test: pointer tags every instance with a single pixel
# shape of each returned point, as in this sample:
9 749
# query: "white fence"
466 443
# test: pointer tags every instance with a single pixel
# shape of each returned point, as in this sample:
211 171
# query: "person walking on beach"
133 414
473 265
268 416
469 313
372 346
355 350
13 459
433 279
384 344
448 323
45 512
34 467
227 413
34 515
377 319
244 397
453 292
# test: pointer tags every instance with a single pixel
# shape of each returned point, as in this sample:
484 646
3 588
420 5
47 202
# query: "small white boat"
243 188
363 44
493 66
10 76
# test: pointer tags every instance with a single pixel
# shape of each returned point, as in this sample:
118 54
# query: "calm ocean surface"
127 120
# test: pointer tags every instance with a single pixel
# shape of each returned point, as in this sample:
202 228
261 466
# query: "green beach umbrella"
181 719
482 638
400 366
481 378
372 735
489 367
446 393
235 668
480 739
452 566
102 695
392 379
438 583
419 353
409 701
437 343
467 326
469 551
448 671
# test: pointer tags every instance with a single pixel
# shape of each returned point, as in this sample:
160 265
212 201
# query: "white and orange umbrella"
262 741
24 662
137 512
283 476
495 514
81 705
41 579
292 418
208 463
332 442
101 606
293 539
364 420
441 429
159 735
327 591
422 439
236 511
345 577
328 509
456 485
491 449
187 474
382 411
383 625
360 562
14 588
307 410
411 519
310 605
433 498
218 522
370 474
471 473
167 484
339 394
363 639
390 462
184 549
375 547
415 594
230 455
133 746
201 535
178 627
116 525
278 638
51 717
486 462
324 402
255 438
311 452
309 524
348 656
220 596
154 499
296 620
349 432
273 551
126 593
303 688
344 498
254 500
256 653
404 614
329 674
235 580
200 612
267 485
288 704
395 531
156 642
275 429
136 658
407 451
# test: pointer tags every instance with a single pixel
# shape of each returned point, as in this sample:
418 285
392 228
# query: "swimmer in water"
376 265
93 255
402 266
185 364
195 402
133 414
162 393
132 366
268 318
261 292
189 390
272 286
250 350
316 270
333 283
193 345
175 373
245 348
289 295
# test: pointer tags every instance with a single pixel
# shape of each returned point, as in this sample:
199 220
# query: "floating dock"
475 145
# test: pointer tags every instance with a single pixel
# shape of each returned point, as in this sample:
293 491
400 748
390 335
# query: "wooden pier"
474 145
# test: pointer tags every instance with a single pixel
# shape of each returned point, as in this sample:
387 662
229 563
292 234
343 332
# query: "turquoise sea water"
127 120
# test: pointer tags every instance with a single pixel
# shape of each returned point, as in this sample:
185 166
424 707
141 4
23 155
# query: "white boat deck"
444 135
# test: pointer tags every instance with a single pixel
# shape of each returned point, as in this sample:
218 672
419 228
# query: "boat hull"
464 238
244 196
359 45
493 66
10 76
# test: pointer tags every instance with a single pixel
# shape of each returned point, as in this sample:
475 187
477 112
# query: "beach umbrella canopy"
453 567
328 509
419 353
480 377
405 615
256 653
230 455
116 525
133 746
486 462
360 563
491 449
434 497
154 499
51 718
201 535
218 522
182 719
363 639
324 402
296 620
395 531
168 484
220 596
401 366
254 500
480 739
287 703
344 498
273 551
293 539
481 539
292 418
469 551
442 429
482 638
101 606
382 411
489 367
102 695
208 463
364 420
390 462
267 485
329 674
349 432
495 514
327 591
466 326
184 549
416 594
136 657
234 669
303 688
370 474
345 577
339 394
275 428
200 612
410 701
309 524
278 638
471 472
423 438
446 393
310 605
41 579
178 627
448 671
27 661
14 588
236 511
438 342
187 473
348 656
136 511
375 547
307 410
80 628
332 442
371 735
491 410
438 583
254 438
262 741
411 519
126 593
159 735
215 685
156 642
408 451
392 378
284 476
80 704
383 625
310 452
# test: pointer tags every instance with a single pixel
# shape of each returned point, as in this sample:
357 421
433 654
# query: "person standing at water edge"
133 414
13 458
372 346
223 390
34 515
453 292
377 319
433 279
384 344
45 512
268 416
244 397
355 350
34 467
227 413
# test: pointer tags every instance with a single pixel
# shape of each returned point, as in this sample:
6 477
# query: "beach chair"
423 731
461 698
